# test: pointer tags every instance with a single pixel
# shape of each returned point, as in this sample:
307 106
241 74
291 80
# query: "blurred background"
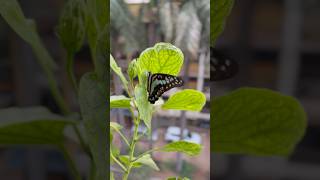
23 84
138 24
277 46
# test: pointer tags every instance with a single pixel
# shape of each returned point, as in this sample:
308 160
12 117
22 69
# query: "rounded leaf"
189 148
162 58
188 99
256 121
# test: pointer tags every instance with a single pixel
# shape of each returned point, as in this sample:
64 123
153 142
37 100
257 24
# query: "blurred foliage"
185 24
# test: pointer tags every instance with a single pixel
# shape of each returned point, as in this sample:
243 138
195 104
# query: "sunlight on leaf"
256 121
188 148
162 58
188 99
115 126
119 102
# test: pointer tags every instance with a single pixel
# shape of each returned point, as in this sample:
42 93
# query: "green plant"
252 120
162 58
37 125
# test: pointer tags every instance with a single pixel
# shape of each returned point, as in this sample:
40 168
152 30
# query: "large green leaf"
220 9
256 121
119 102
188 148
162 58
93 104
188 99
33 125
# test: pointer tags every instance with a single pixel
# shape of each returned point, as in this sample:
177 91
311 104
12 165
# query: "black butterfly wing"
221 67
160 83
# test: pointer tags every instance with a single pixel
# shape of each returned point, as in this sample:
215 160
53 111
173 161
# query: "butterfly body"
221 67
159 83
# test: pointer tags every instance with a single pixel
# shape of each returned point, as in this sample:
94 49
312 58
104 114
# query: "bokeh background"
23 84
138 24
276 44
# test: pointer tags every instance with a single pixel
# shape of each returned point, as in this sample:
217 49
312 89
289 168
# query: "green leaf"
33 125
124 159
148 161
93 105
26 29
119 102
71 29
256 121
98 9
218 14
96 20
115 126
162 58
144 107
13 15
188 148
114 150
188 99
132 69
118 71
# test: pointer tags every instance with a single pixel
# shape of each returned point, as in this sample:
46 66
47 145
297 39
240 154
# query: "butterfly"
159 83
221 67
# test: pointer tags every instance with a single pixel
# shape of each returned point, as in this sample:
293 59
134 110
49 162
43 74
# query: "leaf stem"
70 71
118 162
133 144
82 142
145 153
71 163
124 138
55 91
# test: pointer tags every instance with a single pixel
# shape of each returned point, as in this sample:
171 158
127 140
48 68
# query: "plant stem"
118 162
55 92
82 142
71 163
132 146
145 153
70 71
124 138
